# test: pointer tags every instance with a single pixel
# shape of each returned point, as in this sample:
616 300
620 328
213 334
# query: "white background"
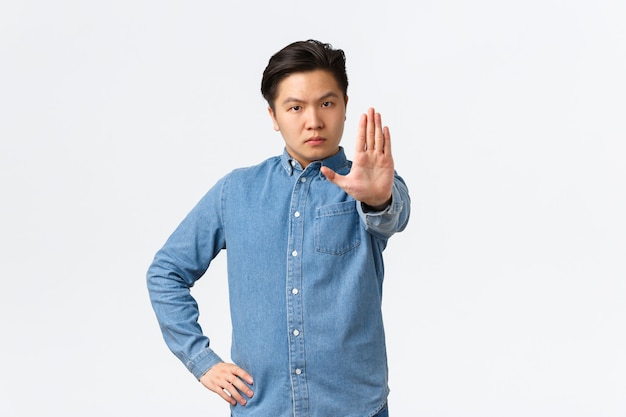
505 296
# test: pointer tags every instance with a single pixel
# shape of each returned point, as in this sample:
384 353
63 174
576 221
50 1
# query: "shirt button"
293 163
296 332
294 291
298 371
303 179
296 214
294 253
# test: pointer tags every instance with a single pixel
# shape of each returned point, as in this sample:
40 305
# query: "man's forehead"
311 85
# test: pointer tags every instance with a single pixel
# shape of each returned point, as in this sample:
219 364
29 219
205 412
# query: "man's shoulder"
254 171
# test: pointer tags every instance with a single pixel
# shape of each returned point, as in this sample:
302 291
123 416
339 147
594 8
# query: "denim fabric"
305 275
383 413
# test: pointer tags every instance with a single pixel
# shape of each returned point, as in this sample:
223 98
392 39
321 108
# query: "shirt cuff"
202 362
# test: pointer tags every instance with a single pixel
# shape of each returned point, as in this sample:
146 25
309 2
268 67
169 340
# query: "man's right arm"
183 259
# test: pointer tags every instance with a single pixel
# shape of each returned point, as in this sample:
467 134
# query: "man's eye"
327 104
296 108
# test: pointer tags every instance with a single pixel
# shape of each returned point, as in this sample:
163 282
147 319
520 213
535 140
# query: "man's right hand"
227 380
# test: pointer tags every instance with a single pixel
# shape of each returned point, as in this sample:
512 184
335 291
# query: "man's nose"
314 121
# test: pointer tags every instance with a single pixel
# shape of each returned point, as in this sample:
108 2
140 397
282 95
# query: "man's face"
310 112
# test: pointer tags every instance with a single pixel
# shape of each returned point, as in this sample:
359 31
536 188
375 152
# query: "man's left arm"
372 180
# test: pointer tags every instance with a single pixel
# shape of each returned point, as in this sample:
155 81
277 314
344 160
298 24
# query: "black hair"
303 56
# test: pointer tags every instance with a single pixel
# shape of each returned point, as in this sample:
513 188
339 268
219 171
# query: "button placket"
294 284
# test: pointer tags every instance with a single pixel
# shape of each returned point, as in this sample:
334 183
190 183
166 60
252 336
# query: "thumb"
329 174
337 179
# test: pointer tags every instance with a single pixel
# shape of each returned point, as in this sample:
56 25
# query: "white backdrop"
505 296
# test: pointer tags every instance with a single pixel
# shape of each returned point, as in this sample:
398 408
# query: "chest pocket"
337 228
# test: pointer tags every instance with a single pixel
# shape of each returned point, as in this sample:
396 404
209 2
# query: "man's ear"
274 121
346 108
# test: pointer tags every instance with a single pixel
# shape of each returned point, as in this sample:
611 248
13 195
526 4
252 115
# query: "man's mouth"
315 140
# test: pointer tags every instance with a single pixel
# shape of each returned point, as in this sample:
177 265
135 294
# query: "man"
304 233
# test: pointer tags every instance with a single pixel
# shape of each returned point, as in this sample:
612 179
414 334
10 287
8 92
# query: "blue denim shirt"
305 275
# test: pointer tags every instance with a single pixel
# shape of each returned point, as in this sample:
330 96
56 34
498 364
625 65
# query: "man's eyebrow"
330 94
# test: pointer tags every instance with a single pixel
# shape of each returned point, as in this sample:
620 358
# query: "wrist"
378 207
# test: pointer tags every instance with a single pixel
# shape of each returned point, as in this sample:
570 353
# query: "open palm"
370 179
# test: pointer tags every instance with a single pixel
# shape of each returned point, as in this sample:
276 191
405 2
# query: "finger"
370 130
231 389
240 387
225 394
239 383
361 132
379 138
387 145
241 373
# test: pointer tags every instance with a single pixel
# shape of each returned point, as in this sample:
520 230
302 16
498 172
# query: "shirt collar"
337 162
